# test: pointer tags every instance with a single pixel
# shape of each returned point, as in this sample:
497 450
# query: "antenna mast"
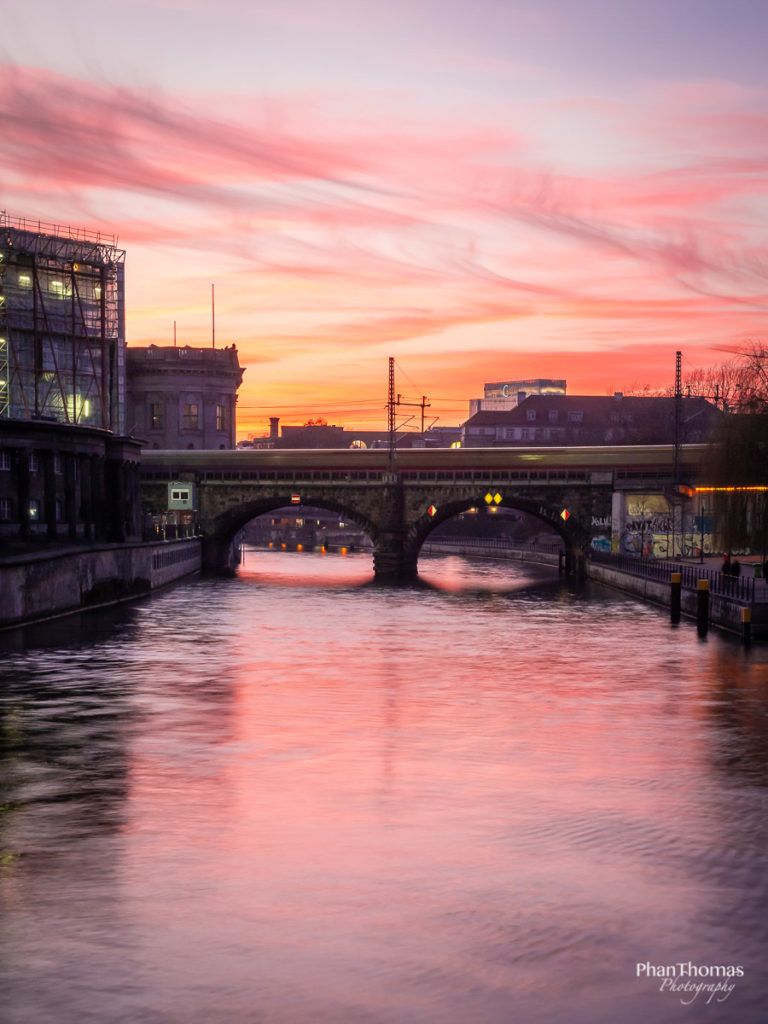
391 403
678 413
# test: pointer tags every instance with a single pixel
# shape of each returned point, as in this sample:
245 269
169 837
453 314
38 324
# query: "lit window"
189 416
24 280
156 419
97 292
221 417
34 510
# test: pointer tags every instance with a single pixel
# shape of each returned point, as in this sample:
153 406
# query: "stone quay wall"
47 583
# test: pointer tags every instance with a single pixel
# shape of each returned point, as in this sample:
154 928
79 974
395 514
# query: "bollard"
702 606
676 586
746 625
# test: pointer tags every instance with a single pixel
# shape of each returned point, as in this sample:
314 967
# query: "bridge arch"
575 539
221 529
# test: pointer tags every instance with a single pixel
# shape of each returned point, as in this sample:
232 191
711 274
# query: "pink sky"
485 192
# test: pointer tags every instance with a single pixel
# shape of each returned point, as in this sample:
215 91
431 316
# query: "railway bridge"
400 497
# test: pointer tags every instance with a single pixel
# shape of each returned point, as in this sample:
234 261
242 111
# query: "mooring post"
676 586
746 625
702 607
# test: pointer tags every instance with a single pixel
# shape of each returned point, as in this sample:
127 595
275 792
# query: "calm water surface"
294 797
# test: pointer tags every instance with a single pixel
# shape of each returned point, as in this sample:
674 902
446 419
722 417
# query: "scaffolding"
62 325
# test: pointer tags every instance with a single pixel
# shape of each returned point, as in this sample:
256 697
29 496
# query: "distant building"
560 420
325 435
183 397
503 395
66 470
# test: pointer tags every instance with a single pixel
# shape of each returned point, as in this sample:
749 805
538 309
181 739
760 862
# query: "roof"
595 409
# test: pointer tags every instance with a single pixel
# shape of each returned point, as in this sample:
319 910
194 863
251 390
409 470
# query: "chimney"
273 422
618 394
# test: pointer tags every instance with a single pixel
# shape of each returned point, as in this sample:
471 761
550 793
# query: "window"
530 414
524 434
156 418
59 511
575 416
552 415
179 495
189 416
221 417
34 465
58 464
5 509
25 280
34 510
5 459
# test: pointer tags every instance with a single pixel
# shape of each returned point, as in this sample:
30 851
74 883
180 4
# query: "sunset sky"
483 189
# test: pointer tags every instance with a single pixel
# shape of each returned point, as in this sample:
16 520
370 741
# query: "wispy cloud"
339 232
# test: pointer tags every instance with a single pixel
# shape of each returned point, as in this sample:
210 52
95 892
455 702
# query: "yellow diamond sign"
492 499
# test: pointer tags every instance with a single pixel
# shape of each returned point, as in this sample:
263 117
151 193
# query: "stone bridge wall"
397 515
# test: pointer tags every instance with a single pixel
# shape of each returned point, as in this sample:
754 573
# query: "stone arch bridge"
399 498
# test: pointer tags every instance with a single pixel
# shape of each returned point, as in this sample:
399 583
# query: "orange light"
728 490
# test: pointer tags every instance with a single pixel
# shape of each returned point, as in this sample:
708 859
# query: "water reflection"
295 797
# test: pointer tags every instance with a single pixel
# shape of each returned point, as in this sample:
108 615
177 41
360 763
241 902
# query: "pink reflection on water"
385 805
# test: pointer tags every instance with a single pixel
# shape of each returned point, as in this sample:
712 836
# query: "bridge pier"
219 554
392 564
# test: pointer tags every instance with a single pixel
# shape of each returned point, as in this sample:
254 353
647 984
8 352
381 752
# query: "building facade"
183 397
590 419
500 396
67 472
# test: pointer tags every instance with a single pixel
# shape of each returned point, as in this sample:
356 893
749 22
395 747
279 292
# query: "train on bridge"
625 461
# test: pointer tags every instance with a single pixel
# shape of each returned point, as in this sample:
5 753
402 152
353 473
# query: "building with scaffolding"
62 324
65 467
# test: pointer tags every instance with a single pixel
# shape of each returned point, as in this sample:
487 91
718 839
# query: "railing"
741 588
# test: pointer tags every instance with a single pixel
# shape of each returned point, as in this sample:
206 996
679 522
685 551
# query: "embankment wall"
44 584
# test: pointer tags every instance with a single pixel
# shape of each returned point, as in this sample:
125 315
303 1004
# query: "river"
298 798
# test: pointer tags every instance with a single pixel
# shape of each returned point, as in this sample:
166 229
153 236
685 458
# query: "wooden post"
702 607
746 625
676 586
